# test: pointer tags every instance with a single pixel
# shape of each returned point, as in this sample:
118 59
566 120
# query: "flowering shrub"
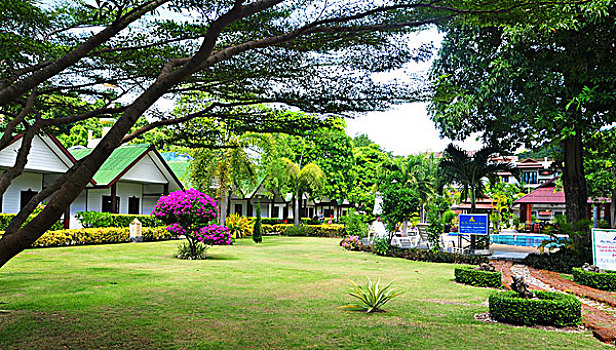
351 243
189 213
214 235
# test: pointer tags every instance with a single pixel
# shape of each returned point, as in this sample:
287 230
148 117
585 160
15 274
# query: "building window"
249 209
529 178
26 196
133 205
505 179
275 211
107 204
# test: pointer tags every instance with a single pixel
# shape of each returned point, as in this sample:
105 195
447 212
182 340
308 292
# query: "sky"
407 128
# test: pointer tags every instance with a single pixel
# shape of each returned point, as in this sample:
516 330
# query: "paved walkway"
598 307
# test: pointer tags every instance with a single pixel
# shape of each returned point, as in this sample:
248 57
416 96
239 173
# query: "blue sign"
474 224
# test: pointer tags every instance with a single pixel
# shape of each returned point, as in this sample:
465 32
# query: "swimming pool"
519 239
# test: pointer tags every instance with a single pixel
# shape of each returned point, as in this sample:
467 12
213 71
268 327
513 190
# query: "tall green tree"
470 172
223 171
420 172
532 84
303 179
600 165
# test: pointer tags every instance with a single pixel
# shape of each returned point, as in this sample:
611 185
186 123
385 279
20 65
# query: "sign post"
473 225
604 248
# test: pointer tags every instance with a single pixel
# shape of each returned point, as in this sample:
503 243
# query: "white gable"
145 171
44 156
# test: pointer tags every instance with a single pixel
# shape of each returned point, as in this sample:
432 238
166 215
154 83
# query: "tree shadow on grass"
221 257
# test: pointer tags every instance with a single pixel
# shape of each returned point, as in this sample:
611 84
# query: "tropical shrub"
479 278
213 234
296 231
333 230
371 297
436 256
99 219
239 226
351 243
98 236
189 213
185 252
381 245
354 225
549 309
561 261
5 220
603 281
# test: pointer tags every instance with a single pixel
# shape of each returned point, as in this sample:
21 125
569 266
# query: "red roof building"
549 202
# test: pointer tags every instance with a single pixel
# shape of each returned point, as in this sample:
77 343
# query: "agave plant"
372 296
239 226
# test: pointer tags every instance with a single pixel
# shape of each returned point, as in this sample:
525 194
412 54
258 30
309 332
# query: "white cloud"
407 129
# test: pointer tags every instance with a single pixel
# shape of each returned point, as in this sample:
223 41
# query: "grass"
283 293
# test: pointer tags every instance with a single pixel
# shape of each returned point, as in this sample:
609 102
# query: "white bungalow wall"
11 201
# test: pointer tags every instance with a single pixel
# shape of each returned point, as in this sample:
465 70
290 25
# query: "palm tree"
225 170
420 172
308 179
469 172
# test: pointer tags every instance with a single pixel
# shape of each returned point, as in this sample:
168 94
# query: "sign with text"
474 224
604 248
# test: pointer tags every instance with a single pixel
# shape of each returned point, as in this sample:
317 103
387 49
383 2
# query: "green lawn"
283 293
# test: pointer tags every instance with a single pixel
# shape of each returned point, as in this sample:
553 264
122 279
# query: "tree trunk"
405 226
223 207
574 182
473 200
613 210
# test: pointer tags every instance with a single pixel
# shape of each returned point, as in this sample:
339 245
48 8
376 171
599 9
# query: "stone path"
598 307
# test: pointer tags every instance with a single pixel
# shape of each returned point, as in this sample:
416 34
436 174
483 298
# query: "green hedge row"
438 257
5 219
603 281
98 236
550 309
97 219
469 275
561 261
333 230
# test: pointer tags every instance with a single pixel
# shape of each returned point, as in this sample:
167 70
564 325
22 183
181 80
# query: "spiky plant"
239 226
371 296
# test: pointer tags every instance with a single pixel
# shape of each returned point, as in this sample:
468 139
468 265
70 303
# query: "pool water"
519 240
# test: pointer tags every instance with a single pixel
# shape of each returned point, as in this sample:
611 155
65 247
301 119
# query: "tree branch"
16 89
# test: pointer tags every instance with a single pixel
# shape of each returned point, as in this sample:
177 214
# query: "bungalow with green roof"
129 182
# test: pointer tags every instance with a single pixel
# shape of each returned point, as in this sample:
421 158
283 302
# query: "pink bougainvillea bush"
190 213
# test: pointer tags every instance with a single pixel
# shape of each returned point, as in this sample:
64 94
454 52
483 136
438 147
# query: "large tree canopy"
535 85
121 57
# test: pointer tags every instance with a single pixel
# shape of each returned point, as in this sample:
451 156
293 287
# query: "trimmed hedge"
550 309
5 219
97 219
561 261
437 257
603 281
333 230
98 236
479 278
